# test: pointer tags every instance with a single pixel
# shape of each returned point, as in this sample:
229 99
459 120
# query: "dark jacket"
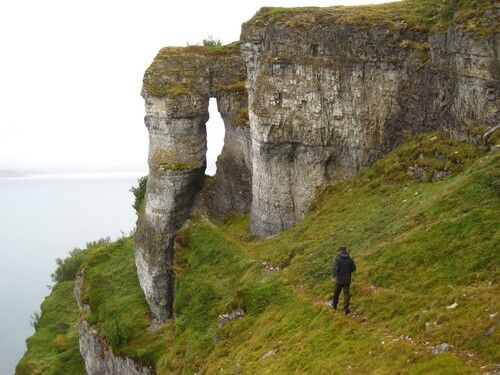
342 268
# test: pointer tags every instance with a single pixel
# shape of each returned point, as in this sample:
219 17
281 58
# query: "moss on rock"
423 15
195 70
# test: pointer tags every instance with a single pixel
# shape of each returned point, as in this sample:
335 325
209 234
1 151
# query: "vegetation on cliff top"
191 62
426 15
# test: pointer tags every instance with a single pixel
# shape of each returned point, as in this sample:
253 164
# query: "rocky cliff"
177 88
328 91
329 94
96 352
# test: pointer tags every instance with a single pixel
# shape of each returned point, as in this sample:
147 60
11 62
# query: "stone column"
177 138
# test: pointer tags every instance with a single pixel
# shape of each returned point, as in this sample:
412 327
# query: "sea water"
42 218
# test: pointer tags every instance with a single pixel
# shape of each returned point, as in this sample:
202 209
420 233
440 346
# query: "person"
343 266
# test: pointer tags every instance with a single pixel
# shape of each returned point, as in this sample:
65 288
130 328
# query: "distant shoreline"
8 173
65 176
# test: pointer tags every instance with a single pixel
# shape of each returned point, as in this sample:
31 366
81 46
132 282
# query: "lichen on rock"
177 88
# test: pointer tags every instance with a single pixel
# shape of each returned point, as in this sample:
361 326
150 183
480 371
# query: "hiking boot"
347 312
333 306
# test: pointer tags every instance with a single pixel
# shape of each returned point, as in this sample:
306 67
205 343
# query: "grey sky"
71 74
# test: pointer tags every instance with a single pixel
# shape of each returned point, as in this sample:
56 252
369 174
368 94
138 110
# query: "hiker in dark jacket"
342 268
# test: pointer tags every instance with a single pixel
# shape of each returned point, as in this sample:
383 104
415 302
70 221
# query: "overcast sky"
71 74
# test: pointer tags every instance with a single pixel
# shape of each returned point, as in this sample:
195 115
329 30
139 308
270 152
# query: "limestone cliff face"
327 98
314 96
177 88
99 358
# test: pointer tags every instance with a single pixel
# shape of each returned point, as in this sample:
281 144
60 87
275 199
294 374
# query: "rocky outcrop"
327 92
177 88
99 358
96 353
328 96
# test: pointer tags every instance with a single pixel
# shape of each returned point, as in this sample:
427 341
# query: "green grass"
175 167
176 71
420 246
118 307
58 320
215 50
425 15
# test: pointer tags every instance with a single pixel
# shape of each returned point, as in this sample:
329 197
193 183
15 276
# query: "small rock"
440 175
493 316
223 319
452 306
429 325
489 331
441 348
268 354
270 269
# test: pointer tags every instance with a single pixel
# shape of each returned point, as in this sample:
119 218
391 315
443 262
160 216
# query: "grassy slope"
419 246
58 319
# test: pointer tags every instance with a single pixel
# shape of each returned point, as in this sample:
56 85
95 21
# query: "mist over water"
42 219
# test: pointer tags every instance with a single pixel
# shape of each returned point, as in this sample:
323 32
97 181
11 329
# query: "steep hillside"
422 224
53 349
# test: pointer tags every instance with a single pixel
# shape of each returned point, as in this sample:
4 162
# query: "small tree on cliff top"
211 42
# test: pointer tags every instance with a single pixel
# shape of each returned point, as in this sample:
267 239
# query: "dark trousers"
347 295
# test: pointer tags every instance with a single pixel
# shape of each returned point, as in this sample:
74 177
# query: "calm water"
42 219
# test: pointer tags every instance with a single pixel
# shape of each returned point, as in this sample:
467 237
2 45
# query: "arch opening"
215 136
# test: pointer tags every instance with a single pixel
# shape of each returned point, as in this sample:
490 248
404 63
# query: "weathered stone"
489 331
177 88
268 354
441 348
327 98
223 319
99 358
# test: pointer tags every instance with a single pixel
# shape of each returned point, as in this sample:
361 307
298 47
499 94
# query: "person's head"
343 250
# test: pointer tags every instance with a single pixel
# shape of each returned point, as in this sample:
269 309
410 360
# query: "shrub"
212 42
139 192
60 343
99 242
118 333
35 318
67 268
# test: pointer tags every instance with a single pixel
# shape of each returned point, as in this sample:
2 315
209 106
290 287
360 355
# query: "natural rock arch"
177 88
325 100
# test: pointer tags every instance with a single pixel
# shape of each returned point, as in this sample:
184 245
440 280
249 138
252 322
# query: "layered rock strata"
177 88
329 92
328 95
